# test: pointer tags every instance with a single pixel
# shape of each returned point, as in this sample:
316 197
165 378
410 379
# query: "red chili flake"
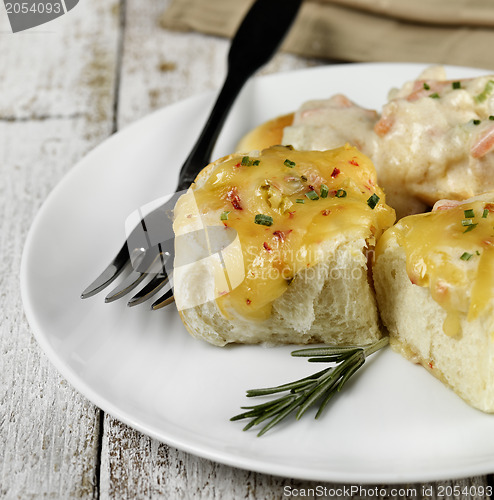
431 365
333 192
291 215
225 224
326 212
248 302
234 198
282 235
311 187
335 172
354 162
266 247
237 164
489 206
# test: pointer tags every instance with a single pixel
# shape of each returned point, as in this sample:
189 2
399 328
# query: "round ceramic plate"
393 423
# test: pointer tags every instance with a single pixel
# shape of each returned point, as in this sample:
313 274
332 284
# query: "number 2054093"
35 8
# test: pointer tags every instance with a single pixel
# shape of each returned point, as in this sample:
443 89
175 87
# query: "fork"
150 245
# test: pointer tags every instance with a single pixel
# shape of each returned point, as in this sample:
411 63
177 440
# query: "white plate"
393 423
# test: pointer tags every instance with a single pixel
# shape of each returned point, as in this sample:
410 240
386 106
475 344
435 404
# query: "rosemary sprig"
318 387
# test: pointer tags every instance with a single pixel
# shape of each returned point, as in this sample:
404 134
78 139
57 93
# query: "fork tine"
164 300
156 283
109 274
128 284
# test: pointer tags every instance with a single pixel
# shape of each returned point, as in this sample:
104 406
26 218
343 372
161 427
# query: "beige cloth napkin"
457 32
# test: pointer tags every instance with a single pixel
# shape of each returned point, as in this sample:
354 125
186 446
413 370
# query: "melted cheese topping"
450 251
279 184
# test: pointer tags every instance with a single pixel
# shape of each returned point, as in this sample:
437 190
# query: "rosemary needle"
304 393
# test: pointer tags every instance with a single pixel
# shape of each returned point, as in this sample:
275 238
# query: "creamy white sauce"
432 139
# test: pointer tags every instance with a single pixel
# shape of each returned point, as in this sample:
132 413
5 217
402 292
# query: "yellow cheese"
303 199
451 251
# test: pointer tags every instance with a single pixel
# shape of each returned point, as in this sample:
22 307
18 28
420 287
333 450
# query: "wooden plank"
56 103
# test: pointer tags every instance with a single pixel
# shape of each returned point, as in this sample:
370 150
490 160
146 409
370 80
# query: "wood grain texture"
56 103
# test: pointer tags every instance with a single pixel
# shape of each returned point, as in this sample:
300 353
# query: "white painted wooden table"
64 88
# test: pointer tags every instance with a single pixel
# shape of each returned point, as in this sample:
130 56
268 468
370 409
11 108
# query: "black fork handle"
255 42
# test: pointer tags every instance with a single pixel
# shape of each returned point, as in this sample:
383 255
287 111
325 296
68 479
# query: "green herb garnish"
289 163
456 85
485 213
426 86
467 222
469 213
299 200
317 388
341 193
324 191
476 122
256 163
312 195
489 87
263 220
491 117
471 227
245 161
435 95
466 256
224 216
373 201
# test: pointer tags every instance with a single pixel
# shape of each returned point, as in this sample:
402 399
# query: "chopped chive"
373 201
435 95
485 213
289 163
426 86
456 85
256 162
471 227
324 191
470 214
476 122
489 87
491 117
263 220
477 252
245 161
312 195
299 200
224 216
466 256
466 222
341 193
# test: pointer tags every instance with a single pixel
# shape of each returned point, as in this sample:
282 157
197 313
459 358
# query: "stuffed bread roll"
293 266
434 279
